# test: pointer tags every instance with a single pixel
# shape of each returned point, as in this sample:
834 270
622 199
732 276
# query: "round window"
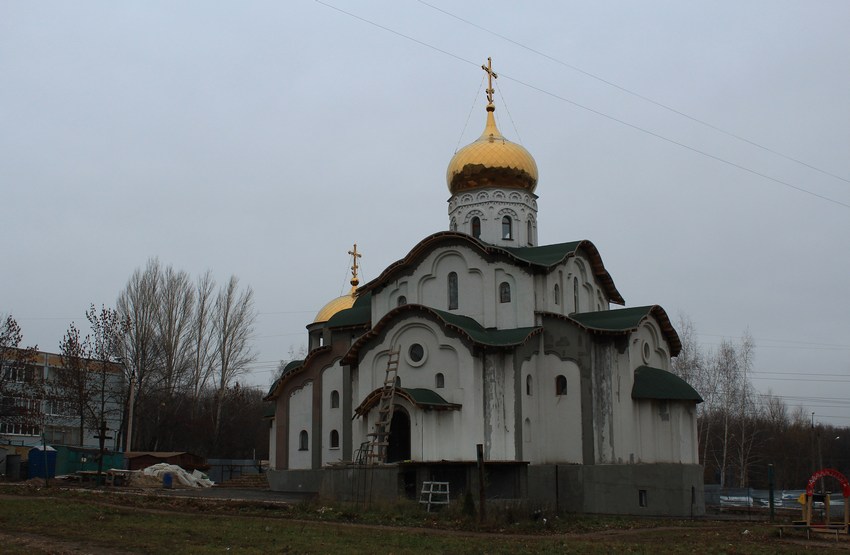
646 352
416 354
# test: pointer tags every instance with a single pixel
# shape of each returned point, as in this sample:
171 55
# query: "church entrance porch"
399 441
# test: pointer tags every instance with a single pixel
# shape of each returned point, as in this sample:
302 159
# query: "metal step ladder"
434 493
379 439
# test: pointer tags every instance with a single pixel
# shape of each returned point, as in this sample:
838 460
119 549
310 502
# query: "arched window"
504 292
303 441
528 384
476 227
507 228
453 225
557 294
334 439
526 430
530 239
452 290
561 385
575 294
439 381
402 300
334 399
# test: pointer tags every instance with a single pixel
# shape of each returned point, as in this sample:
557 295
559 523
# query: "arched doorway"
399 440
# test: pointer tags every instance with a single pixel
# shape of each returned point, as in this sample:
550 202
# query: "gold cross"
354 255
490 76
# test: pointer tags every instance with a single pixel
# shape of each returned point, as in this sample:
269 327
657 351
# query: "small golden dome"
492 161
337 305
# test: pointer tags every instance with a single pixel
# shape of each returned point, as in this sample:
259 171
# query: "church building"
481 338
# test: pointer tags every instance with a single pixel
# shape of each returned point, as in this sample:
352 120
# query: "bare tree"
201 338
20 387
701 371
173 323
107 338
74 385
138 304
233 325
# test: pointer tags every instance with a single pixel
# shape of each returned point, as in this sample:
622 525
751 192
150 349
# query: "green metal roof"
613 320
546 255
484 336
427 398
544 258
654 383
623 320
419 397
464 325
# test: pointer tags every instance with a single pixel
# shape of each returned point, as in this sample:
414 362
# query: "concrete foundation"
629 489
634 489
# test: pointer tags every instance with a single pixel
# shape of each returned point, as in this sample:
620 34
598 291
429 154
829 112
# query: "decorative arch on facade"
474 213
504 292
560 385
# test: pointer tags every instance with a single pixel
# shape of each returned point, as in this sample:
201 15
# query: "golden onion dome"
492 161
336 305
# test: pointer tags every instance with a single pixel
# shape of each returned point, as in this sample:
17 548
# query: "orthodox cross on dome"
490 76
354 256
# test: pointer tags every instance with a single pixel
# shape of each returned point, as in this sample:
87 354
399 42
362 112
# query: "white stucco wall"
478 289
490 205
435 435
273 443
300 418
554 421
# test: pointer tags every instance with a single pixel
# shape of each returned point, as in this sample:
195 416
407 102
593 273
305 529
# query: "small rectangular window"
642 497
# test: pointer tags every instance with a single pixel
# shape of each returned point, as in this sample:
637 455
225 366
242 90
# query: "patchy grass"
66 520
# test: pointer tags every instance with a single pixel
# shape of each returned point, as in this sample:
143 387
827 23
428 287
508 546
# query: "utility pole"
128 445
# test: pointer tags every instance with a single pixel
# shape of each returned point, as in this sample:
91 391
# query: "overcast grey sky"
263 138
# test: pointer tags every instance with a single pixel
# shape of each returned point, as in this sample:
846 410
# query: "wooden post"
482 512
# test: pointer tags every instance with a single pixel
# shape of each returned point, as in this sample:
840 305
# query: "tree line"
179 347
188 343
742 431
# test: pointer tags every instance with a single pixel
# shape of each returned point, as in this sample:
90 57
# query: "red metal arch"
832 473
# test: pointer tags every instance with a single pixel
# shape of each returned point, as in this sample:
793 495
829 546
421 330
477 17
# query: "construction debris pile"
196 479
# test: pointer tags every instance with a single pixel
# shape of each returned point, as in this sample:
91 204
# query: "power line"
592 110
635 94
844 346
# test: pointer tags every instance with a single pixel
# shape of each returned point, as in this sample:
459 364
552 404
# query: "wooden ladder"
377 452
